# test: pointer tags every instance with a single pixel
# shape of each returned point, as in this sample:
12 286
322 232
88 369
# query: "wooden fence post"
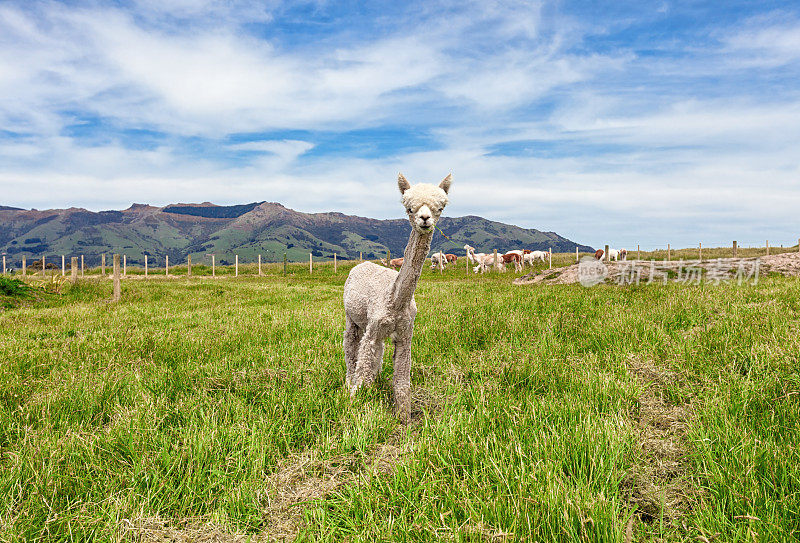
124 265
74 262
735 247
44 267
767 247
607 257
103 265
64 266
284 264
166 266
576 254
188 265
334 262
259 264
145 266
550 256
117 286
310 263
4 264
82 268
25 266
213 266
669 252
701 251
638 252
237 267
360 256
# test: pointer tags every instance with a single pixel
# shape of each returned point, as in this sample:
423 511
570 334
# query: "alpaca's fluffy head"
424 203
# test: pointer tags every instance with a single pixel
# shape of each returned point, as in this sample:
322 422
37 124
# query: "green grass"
201 404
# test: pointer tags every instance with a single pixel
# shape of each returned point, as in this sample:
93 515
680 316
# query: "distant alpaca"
451 258
613 254
379 303
393 263
486 262
533 256
598 254
438 260
472 257
515 257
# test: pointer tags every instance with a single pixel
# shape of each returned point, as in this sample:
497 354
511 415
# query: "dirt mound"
651 271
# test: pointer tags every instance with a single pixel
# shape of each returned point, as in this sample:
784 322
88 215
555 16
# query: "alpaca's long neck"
413 259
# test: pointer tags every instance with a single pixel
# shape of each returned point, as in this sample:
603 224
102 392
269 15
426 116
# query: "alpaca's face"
424 203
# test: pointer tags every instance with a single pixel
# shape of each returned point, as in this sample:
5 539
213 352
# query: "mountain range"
265 228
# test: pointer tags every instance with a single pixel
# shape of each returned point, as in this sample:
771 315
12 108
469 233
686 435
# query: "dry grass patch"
658 485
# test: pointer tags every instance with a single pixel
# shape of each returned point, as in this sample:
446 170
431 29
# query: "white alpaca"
533 256
379 302
613 254
438 260
472 256
485 263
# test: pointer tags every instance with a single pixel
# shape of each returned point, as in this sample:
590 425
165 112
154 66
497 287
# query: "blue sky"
621 123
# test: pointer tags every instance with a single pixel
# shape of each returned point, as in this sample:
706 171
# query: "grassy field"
200 408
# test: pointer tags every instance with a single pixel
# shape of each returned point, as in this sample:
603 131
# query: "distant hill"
248 230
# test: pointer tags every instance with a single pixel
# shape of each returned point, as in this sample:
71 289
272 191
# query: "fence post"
145 266
577 259
74 262
213 266
188 265
389 257
496 264
82 268
236 266
310 263
701 251
117 286
735 247
259 264
669 252
467 258
166 266
44 267
4 264
638 253
334 262
284 264
103 265
767 247
25 266
64 266
550 256
124 265
798 245
360 256
607 257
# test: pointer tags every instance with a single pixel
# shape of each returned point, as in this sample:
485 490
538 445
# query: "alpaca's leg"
402 376
370 347
352 338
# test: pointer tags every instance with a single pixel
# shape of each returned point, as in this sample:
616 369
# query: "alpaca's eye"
408 210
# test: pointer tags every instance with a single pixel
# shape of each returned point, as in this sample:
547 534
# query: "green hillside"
249 230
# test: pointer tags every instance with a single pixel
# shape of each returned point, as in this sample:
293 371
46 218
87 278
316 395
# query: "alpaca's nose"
425 217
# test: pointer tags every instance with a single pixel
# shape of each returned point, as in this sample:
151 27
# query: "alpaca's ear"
402 183
445 184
